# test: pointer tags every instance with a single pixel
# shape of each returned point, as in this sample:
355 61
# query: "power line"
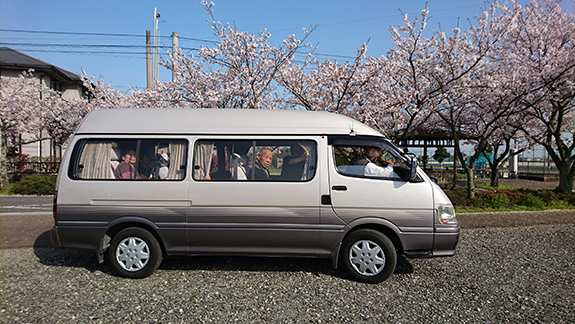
86 45
116 46
99 34
112 45
103 53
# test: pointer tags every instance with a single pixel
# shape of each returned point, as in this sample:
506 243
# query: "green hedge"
35 184
518 199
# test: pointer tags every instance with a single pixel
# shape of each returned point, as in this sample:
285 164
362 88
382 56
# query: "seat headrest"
116 154
240 158
163 172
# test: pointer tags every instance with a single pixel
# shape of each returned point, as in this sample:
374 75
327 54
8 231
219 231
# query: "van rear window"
149 159
261 160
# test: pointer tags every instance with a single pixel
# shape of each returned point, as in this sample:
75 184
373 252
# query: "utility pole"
175 52
149 83
155 46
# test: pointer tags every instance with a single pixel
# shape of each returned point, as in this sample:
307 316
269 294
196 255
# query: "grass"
510 200
500 187
6 191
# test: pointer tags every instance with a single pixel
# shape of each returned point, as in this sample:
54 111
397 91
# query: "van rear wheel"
368 256
134 253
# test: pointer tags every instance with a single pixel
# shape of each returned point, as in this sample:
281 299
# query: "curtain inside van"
203 158
309 168
177 156
95 161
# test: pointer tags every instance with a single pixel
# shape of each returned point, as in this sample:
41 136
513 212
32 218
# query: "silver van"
138 184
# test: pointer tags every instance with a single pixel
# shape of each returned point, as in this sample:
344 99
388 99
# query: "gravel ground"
517 274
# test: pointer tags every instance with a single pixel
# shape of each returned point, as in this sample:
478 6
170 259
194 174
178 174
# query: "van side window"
261 160
369 162
149 159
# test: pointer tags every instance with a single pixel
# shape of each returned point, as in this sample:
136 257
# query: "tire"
134 253
368 256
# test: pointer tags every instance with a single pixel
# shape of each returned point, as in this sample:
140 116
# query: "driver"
369 158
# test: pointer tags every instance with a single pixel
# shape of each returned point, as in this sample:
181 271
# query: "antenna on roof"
352 132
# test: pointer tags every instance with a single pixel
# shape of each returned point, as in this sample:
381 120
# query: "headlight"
446 214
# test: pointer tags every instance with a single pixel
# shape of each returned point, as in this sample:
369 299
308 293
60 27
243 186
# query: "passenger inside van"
260 170
126 168
370 158
293 166
145 166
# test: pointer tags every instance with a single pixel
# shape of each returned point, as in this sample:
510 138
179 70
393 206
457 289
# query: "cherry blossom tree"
103 96
541 54
18 105
57 118
240 71
331 86
505 143
410 87
30 107
439 77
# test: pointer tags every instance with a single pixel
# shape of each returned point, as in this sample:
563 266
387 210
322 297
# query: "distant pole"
514 164
155 46
149 83
175 52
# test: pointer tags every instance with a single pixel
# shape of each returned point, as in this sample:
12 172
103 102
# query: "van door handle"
339 188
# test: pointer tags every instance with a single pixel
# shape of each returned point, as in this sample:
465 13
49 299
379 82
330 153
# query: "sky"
84 30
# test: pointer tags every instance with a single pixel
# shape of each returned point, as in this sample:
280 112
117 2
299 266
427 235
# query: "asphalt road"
25 204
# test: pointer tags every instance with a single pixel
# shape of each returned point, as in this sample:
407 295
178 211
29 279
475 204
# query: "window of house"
98 159
261 160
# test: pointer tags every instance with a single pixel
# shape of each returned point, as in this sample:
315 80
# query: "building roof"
219 122
10 58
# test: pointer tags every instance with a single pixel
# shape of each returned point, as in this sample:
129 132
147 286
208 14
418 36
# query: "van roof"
219 121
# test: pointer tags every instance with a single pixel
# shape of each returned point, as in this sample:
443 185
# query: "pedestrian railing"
18 168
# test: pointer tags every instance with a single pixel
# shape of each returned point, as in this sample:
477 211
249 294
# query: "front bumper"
445 240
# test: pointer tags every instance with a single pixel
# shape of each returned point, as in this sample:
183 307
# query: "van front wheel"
134 253
368 256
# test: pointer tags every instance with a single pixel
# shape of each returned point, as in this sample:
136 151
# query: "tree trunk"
455 158
566 177
3 161
495 176
470 183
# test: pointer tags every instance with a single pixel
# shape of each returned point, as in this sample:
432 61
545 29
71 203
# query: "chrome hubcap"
132 254
367 258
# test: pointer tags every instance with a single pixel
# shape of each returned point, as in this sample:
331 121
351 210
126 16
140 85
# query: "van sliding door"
254 196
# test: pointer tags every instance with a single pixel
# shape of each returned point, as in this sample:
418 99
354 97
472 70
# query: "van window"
149 159
370 162
261 160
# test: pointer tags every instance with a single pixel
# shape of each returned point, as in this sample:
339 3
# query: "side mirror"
412 166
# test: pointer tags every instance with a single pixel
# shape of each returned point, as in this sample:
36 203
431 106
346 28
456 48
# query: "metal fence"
19 168
543 168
